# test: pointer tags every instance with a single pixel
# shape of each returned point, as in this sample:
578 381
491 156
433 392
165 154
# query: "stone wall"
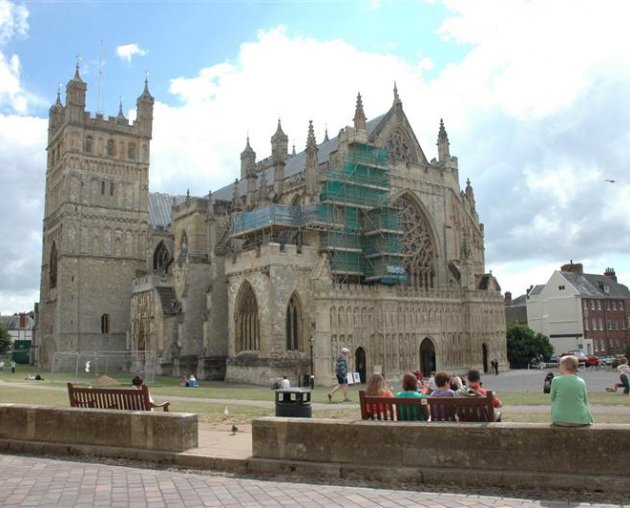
173 432
498 454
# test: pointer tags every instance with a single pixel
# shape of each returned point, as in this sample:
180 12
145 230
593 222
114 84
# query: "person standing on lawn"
341 371
569 401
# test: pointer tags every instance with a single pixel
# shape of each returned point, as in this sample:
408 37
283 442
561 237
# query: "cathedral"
358 241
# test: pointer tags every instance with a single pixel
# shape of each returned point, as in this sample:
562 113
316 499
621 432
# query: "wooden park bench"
442 409
112 398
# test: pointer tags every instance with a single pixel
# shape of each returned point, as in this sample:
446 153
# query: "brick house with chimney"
582 311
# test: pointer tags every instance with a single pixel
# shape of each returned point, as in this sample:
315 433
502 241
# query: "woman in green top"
410 390
569 402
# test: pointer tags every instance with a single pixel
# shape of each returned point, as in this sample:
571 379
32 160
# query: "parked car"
592 361
581 357
540 363
605 361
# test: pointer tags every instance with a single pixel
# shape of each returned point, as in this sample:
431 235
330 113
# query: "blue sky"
533 95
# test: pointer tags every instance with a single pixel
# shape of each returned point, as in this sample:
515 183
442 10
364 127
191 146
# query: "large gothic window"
416 245
293 321
52 272
161 257
246 316
111 150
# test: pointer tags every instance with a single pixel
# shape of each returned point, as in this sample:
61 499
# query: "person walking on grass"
341 371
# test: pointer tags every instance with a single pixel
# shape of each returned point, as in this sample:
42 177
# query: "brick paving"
45 482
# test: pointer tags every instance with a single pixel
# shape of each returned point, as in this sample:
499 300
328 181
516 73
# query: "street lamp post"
312 340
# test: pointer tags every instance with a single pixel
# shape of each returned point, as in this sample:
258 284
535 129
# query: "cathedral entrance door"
427 357
484 352
359 362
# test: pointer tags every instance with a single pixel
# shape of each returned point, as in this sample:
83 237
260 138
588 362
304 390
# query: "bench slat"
112 398
449 409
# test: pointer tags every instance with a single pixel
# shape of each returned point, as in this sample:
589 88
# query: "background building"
581 311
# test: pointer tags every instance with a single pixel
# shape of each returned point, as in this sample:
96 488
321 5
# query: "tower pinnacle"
443 143
359 115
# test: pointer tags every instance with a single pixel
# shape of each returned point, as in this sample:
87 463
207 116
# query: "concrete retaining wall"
159 431
499 454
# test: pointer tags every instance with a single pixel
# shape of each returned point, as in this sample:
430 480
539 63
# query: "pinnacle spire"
359 115
77 73
145 93
310 139
326 134
443 143
279 134
121 115
397 101
58 102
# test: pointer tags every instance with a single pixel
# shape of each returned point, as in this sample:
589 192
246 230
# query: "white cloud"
13 23
536 111
197 144
128 51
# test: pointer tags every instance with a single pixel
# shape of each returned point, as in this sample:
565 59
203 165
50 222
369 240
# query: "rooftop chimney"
508 299
572 267
610 273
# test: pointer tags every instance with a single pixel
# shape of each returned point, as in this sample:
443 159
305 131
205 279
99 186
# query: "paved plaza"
44 482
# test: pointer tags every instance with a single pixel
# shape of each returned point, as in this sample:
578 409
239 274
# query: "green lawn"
52 392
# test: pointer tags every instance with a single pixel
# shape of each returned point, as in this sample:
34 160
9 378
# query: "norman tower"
95 223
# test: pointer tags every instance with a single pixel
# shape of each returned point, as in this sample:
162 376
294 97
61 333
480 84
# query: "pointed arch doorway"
427 357
360 364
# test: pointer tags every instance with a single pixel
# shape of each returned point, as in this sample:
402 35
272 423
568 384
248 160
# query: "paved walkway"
29 481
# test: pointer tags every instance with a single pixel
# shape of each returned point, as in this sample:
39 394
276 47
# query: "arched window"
103 187
52 272
246 317
111 149
416 245
161 257
131 151
105 323
88 144
293 324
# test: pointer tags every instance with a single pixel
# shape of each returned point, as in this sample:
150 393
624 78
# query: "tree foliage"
5 340
524 345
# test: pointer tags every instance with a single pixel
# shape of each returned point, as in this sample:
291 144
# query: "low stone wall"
496 454
158 431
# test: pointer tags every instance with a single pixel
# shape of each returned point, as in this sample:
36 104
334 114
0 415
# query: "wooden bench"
442 409
113 398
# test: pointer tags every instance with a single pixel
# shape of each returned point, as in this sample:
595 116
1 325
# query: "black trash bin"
295 402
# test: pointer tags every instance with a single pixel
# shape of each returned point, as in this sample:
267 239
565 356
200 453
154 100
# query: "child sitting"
443 385
569 401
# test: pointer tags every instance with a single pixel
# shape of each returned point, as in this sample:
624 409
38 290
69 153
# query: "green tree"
5 340
524 345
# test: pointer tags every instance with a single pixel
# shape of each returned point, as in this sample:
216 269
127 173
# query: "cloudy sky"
534 95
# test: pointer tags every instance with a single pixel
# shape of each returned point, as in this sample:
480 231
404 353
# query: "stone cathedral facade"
358 241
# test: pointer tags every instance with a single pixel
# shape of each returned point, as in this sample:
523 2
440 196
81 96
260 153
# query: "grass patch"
542 399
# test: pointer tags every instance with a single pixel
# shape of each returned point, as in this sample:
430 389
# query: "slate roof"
536 290
295 163
13 322
594 285
160 208
518 301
